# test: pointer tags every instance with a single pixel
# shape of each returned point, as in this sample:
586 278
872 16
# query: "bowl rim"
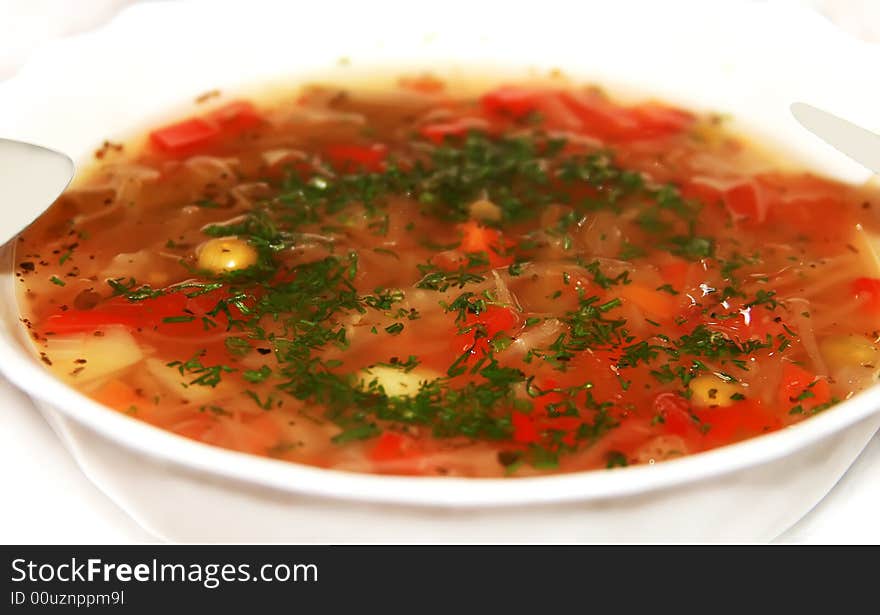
19 364
24 370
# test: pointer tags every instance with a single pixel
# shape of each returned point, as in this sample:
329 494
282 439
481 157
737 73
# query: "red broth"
535 280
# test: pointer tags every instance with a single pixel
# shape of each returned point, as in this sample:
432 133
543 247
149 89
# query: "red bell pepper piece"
391 445
524 429
511 101
437 132
517 103
493 320
528 428
746 200
237 116
656 120
185 137
199 133
601 118
741 420
604 119
350 157
185 314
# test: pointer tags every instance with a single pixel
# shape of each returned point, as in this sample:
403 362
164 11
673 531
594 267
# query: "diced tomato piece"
186 136
800 387
867 290
350 157
438 132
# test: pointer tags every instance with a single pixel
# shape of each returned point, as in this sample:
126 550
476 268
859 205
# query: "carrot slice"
800 387
116 394
655 303
479 238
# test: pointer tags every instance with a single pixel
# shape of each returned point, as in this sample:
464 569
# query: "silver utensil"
861 145
31 178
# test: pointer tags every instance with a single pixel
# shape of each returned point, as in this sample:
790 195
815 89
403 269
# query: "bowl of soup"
447 287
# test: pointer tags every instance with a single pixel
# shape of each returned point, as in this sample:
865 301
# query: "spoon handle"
861 145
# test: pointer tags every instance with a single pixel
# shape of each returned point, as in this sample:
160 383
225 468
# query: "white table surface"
46 499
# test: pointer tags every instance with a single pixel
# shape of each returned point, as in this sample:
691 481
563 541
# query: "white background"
46 499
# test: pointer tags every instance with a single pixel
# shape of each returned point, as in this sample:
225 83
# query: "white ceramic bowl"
750 60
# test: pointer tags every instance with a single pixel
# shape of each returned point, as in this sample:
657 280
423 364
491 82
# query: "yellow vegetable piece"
396 382
709 390
849 351
106 354
226 254
485 209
